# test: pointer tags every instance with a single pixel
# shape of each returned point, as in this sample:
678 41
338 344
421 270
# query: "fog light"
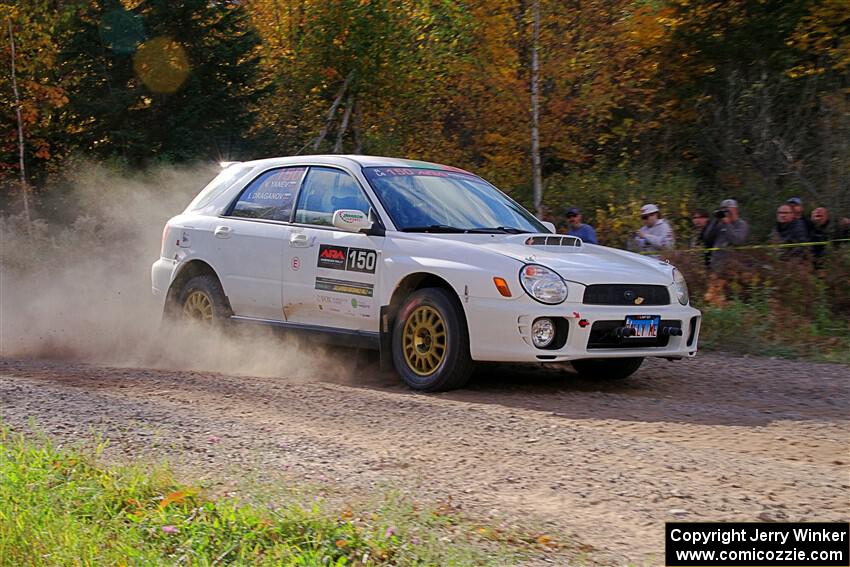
542 332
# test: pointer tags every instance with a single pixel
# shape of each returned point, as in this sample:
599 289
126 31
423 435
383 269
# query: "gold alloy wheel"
198 307
424 340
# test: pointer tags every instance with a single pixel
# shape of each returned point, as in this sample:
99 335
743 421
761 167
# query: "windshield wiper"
433 228
497 229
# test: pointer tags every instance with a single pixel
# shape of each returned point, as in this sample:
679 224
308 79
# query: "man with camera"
725 230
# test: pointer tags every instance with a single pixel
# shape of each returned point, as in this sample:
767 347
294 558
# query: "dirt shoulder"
713 438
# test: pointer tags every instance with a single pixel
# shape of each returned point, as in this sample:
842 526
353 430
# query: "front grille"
602 335
626 294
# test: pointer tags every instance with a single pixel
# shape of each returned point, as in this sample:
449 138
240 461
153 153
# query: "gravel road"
713 438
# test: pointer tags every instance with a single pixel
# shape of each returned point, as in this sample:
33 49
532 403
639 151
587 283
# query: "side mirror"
549 226
351 220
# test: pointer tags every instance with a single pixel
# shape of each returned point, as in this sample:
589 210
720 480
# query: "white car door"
250 240
330 275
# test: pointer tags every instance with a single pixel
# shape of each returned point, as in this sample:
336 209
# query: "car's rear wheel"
431 343
607 368
202 301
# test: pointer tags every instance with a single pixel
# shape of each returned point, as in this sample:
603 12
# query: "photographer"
725 230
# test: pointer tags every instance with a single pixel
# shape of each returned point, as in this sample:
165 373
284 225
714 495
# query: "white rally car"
430 264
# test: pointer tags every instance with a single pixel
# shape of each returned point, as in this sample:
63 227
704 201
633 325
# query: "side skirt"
328 335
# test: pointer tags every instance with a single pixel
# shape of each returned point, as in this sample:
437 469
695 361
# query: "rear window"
215 187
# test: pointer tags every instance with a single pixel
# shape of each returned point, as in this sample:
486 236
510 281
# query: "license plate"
645 326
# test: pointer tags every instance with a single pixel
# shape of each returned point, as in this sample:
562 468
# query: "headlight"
681 286
543 284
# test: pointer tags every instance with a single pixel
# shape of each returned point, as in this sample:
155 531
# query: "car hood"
582 263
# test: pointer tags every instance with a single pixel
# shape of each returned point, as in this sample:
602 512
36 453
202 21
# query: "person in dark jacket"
699 219
822 231
789 230
796 204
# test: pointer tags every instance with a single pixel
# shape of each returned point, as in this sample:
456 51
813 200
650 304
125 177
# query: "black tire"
455 364
607 368
210 288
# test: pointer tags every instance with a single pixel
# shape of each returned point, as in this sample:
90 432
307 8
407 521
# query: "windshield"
434 200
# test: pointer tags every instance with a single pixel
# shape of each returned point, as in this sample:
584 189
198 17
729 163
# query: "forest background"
677 102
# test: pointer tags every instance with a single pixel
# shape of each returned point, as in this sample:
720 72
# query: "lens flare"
161 64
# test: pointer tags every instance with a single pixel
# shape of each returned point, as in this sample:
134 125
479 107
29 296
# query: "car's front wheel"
431 343
202 301
607 368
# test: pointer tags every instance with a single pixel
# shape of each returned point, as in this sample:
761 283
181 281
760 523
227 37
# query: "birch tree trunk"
346 116
332 112
24 187
535 112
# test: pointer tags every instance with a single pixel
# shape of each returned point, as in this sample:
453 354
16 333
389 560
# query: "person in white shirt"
655 235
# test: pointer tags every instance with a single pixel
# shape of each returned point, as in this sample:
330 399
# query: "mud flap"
386 340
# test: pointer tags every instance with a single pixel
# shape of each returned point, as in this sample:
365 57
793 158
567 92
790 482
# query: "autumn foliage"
708 99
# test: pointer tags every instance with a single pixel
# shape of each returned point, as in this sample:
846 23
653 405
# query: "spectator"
579 229
655 235
799 213
699 218
822 231
727 229
789 230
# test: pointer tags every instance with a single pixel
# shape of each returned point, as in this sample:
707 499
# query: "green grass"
61 507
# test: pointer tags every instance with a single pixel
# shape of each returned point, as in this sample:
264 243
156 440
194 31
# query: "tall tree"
161 80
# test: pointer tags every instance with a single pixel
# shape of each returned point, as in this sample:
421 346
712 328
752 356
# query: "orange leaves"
175 498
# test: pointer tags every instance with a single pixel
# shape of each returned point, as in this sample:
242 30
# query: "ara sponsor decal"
332 257
343 286
361 260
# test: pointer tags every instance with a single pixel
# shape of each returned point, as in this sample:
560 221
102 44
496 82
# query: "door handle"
298 240
223 232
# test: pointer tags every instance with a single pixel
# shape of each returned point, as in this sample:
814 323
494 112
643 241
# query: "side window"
270 196
327 190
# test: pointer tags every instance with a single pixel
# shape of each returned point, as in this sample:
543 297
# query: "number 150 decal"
361 260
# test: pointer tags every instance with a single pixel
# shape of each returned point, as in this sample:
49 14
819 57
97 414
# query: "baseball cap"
573 211
729 203
648 209
794 201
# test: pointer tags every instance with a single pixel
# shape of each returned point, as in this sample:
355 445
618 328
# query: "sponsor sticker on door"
332 257
361 260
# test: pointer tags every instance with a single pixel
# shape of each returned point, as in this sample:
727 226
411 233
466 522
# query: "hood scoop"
552 240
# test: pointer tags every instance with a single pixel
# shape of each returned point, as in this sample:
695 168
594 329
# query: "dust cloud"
78 287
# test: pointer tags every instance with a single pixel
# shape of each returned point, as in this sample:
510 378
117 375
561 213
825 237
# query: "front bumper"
500 331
